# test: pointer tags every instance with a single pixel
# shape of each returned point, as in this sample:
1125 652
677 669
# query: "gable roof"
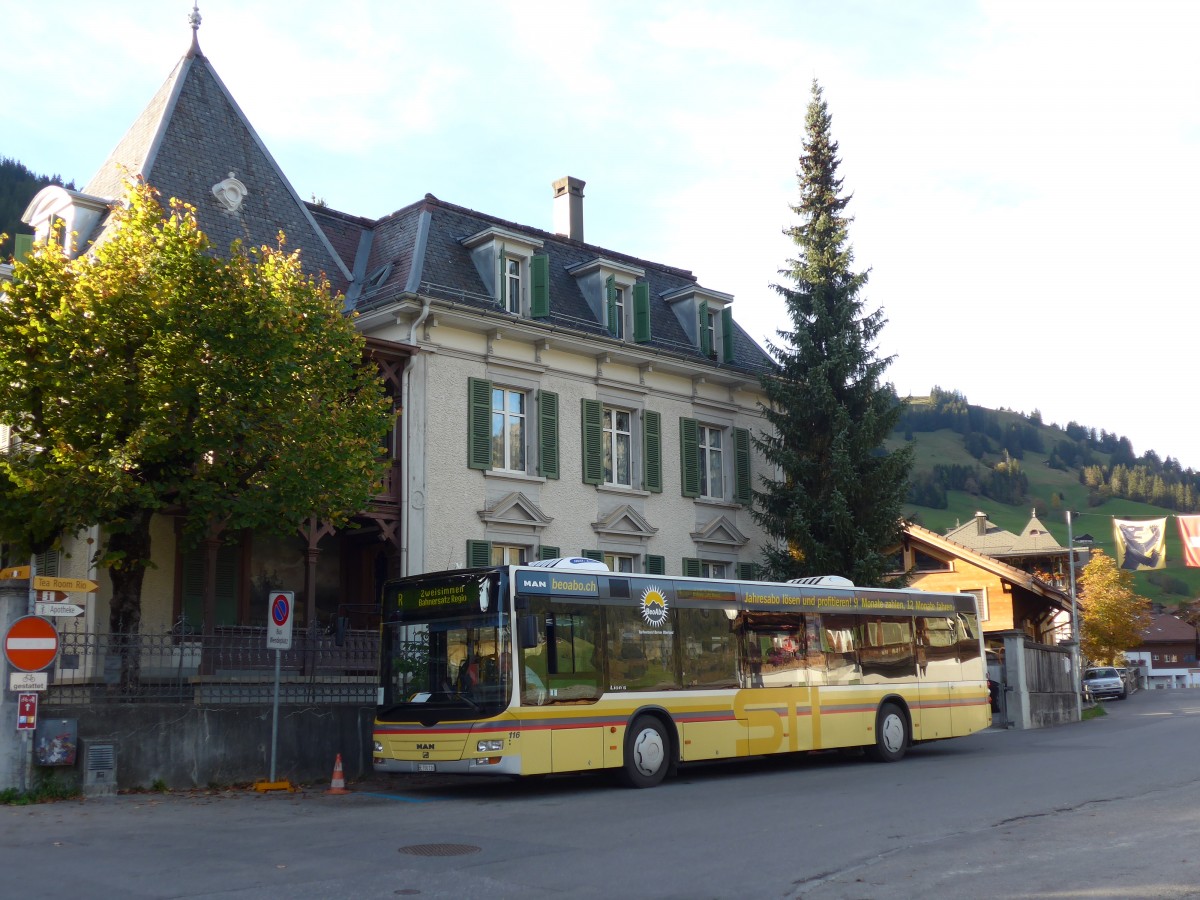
190 137
982 536
989 563
1164 627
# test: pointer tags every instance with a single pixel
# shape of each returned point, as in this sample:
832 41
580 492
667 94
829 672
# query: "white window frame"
507 419
514 283
509 554
612 436
706 450
712 568
981 602
619 562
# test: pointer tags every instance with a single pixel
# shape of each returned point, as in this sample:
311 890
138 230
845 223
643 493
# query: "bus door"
939 673
776 700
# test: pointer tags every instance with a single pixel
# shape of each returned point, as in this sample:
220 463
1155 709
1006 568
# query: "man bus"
564 666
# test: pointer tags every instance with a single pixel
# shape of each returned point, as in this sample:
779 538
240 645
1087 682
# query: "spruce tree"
836 506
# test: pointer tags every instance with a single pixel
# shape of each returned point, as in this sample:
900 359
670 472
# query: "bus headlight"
378 747
489 746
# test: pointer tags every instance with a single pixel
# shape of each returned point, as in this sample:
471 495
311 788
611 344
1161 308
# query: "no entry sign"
31 643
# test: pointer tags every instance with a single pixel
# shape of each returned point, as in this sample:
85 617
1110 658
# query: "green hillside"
1051 491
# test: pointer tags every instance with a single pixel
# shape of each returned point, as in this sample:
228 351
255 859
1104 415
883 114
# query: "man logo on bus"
654 607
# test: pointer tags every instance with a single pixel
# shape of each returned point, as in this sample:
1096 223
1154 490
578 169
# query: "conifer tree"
835 508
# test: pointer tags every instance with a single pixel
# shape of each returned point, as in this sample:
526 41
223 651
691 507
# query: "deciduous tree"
1113 618
835 508
152 375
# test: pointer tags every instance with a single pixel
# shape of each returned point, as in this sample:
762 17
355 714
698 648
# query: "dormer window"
618 296
707 317
514 273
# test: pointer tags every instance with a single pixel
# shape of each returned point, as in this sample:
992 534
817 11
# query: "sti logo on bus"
654 606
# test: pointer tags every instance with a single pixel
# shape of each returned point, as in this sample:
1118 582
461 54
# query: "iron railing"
232 665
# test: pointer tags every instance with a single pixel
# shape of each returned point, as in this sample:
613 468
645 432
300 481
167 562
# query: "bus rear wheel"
647 753
891 734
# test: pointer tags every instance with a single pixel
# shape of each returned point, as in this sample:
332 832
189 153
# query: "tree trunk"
130 546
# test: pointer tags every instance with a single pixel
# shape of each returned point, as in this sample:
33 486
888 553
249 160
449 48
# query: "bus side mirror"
527 631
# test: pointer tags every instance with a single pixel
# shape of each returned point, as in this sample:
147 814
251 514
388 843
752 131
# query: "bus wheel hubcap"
648 752
893 733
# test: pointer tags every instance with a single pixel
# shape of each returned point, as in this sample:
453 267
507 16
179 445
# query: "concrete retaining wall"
189 746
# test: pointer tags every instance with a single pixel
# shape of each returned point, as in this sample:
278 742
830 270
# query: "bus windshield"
445 649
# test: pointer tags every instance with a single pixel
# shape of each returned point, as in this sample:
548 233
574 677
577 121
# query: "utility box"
54 742
99 767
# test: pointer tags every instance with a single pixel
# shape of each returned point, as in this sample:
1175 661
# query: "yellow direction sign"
64 584
15 572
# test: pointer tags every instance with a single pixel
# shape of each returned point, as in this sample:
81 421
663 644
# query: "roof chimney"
980 523
568 207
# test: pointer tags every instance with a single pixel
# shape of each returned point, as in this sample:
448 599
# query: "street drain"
439 849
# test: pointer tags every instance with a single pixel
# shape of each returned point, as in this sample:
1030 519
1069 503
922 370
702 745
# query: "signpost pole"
279 638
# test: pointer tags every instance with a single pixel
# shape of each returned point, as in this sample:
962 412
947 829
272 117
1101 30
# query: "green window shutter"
741 466
546 552
691 567
689 457
656 565
479 423
727 334
192 601
641 312
747 571
597 555
548 434
539 286
501 278
652 451
593 442
610 300
479 554
705 337
47 563
22 246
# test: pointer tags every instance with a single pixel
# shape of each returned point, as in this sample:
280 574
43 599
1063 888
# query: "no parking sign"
279 620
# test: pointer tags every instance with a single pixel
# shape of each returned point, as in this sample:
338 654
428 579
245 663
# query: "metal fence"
232 665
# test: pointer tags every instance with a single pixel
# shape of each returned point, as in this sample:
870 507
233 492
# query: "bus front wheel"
647 753
891 734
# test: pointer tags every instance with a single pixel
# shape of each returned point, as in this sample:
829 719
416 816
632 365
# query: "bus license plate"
426 767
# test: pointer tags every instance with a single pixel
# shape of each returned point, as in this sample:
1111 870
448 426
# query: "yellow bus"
565 666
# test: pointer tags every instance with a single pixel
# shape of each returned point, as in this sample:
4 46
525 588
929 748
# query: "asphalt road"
1108 808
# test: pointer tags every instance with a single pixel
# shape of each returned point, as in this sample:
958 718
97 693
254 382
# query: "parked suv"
1105 681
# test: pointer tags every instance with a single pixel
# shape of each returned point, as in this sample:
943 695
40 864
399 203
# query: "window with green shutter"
747 571
47 563
689 457
192 600
706 335
656 565
691 567
610 304
727 334
593 442
479 554
641 312
597 555
547 552
742 490
539 286
652 451
548 434
22 246
479 423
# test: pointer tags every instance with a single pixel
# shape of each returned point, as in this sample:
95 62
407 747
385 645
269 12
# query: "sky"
1025 176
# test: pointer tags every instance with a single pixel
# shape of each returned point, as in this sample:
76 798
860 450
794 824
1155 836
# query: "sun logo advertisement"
654 607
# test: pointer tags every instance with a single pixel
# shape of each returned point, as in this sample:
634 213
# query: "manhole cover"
439 849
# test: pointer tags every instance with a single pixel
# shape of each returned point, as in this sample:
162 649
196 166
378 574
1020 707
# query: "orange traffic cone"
338 784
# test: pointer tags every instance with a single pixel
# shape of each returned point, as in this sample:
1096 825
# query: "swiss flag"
1189 534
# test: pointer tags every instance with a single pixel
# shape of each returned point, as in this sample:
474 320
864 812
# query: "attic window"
377 278
923 562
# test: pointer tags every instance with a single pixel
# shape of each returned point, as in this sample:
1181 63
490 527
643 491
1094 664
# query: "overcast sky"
1024 174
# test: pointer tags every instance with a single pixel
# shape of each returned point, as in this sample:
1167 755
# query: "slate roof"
191 136
419 249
